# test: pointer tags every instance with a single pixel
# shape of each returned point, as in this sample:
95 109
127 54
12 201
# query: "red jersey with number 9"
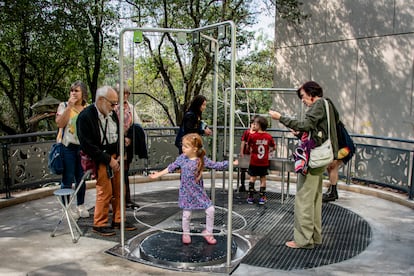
260 144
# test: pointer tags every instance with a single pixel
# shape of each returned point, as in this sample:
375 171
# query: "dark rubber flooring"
269 226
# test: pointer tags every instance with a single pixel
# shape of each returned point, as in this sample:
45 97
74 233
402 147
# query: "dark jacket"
190 124
137 135
90 138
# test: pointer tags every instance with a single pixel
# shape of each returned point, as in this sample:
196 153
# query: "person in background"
345 153
192 195
333 171
261 144
308 199
192 121
245 152
66 117
98 132
130 118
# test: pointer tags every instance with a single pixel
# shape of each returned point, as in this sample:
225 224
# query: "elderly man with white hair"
98 131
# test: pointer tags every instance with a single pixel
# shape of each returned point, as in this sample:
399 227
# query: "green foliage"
184 70
34 56
44 47
255 71
290 11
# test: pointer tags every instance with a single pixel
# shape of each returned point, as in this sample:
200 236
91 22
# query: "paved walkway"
28 249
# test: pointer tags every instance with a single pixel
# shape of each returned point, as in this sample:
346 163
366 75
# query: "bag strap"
59 137
327 115
61 131
104 138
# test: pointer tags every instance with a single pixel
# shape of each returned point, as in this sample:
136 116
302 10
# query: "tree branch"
165 107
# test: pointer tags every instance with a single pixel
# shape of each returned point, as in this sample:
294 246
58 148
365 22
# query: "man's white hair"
103 91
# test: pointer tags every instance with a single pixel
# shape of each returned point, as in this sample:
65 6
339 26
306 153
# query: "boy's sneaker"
83 211
132 205
262 200
250 200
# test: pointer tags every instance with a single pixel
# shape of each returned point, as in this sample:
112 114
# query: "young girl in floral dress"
192 195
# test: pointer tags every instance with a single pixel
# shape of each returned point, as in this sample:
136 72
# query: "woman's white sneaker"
74 212
83 211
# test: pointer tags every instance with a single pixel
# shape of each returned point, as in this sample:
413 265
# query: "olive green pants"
308 209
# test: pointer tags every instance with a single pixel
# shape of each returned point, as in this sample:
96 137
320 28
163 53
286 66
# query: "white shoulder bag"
323 155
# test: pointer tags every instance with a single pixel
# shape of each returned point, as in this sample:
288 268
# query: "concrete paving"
28 249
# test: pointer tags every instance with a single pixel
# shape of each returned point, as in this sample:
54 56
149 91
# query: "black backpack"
344 140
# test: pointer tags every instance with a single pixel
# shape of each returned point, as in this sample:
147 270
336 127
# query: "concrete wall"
362 54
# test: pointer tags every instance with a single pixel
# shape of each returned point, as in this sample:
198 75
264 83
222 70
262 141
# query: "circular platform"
167 249
261 243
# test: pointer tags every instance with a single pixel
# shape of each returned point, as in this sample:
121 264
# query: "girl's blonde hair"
196 141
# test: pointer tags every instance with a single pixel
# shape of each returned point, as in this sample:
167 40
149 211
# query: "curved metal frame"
221 233
232 99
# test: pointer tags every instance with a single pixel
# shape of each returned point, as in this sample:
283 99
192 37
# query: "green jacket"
315 121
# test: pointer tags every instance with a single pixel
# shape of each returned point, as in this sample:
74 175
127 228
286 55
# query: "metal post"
215 96
6 172
121 136
215 85
225 134
231 140
411 191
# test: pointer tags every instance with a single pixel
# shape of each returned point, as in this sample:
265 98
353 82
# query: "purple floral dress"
192 194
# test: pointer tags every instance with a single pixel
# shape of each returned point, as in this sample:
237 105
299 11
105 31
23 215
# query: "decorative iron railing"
380 160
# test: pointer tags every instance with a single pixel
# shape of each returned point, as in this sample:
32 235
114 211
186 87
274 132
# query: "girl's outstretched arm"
158 174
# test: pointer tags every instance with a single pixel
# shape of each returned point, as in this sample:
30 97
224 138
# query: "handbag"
55 160
88 164
322 155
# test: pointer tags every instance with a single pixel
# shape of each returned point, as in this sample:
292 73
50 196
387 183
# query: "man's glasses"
113 104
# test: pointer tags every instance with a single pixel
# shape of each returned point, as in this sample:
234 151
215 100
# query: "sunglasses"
113 104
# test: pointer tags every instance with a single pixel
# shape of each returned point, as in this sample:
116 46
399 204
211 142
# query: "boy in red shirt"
261 144
245 151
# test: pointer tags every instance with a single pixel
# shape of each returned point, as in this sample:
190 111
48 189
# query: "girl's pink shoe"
186 239
209 237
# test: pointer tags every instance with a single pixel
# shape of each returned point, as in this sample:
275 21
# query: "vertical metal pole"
411 191
282 189
225 133
215 95
6 171
231 140
121 135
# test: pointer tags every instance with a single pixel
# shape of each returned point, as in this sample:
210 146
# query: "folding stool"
62 196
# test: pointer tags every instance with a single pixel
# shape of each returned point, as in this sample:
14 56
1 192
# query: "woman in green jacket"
308 199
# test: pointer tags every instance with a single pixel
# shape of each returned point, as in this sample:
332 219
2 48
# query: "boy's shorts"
258 171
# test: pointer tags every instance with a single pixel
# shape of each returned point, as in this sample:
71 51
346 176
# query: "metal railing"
380 160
